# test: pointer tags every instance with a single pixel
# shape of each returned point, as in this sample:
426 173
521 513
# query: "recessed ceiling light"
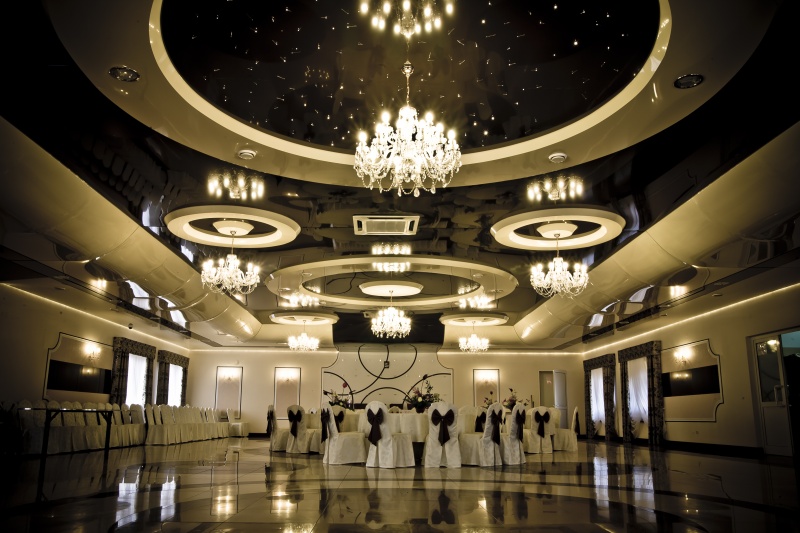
716 295
125 74
557 157
246 154
687 81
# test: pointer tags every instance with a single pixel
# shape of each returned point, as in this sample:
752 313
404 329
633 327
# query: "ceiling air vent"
385 224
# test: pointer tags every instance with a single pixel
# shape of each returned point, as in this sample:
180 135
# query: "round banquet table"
412 423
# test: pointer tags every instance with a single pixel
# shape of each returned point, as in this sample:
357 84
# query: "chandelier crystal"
386 248
556 189
558 279
473 343
408 21
239 186
415 156
303 343
391 322
226 276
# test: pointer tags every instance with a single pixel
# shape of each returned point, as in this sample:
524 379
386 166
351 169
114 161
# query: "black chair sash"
577 424
324 419
541 419
448 419
496 419
270 417
375 420
294 419
480 420
339 418
520 423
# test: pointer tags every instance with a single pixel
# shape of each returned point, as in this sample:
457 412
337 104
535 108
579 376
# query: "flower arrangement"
512 400
420 400
340 399
488 400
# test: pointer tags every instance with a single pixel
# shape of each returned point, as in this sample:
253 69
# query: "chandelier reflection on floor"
391 322
473 343
558 279
303 343
225 275
415 156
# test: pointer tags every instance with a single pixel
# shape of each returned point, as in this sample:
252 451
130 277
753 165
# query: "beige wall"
728 329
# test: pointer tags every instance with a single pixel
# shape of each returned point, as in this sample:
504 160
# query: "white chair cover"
156 431
119 433
511 444
490 442
386 449
279 437
300 436
471 421
340 448
540 441
441 444
95 434
138 428
565 439
76 438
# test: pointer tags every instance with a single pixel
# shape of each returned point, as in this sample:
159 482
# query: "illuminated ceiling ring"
300 318
473 319
181 223
486 279
608 226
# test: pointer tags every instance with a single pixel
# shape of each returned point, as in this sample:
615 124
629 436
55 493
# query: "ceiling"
106 181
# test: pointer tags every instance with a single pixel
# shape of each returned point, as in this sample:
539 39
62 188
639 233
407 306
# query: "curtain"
175 385
137 371
597 398
637 381
163 379
119 377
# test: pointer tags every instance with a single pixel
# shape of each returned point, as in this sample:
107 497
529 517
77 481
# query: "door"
553 391
775 421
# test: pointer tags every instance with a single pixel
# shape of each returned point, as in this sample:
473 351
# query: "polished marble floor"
237 485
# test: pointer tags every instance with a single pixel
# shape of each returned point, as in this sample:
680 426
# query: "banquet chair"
338 417
490 442
441 444
386 449
540 441
471 420
566 439
279 436
511 443
301 438
340 448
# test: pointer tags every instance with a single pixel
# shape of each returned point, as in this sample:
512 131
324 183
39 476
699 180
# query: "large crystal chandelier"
414 156
303 343
558 279
391 322
226 276
473 343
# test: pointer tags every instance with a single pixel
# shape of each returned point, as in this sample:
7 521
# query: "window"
137 370
175 385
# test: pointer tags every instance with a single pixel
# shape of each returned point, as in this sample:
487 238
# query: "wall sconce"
287 375
486 377
92 352
682 357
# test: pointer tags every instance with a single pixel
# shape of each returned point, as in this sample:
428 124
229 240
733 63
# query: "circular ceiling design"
473 319
391 288
317 72
451 274
599 225
300 318
188 223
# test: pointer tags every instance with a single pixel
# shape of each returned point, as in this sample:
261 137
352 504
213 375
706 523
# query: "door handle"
775 390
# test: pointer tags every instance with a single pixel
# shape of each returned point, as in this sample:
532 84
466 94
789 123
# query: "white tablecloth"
414 424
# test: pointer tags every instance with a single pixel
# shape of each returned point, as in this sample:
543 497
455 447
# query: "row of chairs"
456 437
168 424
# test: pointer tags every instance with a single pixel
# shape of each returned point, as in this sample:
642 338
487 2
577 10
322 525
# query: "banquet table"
412 423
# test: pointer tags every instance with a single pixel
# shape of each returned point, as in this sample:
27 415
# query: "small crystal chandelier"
473 343
237 186
226 276
415 156
558 279
406 22
300 299
560 188
386 248
397 266
391 322
479 301
303 343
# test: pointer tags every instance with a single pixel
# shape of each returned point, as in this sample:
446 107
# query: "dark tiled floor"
236 485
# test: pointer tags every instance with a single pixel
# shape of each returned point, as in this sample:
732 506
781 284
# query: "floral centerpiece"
512 400
420 400
340 399
488 400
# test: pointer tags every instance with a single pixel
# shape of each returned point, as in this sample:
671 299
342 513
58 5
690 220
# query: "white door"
775 422
560 395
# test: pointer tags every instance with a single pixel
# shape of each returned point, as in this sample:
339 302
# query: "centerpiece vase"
420 408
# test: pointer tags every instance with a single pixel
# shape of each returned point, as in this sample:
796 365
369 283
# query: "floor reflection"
236 485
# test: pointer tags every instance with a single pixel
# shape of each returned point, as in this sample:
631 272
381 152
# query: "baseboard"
252 435
746 452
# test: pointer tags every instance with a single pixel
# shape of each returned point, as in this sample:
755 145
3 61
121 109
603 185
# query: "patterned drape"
166 358
607 363
655 396
119 377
